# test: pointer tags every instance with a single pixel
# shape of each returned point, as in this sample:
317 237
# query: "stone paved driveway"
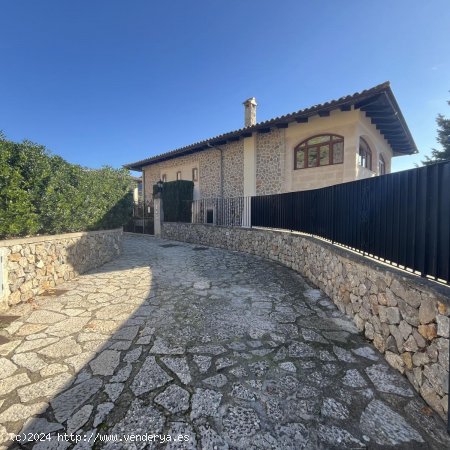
228 349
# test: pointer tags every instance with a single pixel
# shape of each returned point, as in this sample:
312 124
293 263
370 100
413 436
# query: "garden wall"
405 316
29 266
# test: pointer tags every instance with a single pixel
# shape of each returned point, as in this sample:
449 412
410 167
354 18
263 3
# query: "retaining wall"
405 316
29 266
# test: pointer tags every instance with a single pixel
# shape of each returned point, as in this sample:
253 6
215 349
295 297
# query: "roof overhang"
378 103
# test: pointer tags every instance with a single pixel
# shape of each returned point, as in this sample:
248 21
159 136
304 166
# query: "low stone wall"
406 317
29 266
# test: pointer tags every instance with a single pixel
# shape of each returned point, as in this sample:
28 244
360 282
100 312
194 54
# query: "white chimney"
250 112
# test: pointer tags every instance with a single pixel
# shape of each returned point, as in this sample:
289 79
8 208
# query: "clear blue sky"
113 81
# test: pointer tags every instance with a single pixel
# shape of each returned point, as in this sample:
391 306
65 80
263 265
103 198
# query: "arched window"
381 166
319 151
365 154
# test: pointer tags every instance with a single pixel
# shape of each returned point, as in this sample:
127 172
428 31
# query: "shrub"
177 200
41 193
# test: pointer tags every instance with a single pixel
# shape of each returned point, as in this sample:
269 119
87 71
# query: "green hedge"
177 200
41 193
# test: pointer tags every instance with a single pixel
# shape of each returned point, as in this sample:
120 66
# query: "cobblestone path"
231 350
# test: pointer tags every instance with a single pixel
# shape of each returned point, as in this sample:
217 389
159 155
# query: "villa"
343 140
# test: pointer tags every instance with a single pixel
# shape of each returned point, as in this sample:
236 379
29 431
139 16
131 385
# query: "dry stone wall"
32 265
406 317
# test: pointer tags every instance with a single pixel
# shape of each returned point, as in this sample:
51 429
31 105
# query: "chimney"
250 112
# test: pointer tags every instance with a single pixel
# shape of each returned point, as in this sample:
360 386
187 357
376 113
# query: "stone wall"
270 164
233 169
406 317
208 163
32 265
227 181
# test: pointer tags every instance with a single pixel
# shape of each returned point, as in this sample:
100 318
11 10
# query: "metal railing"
142 220
402 218
230 212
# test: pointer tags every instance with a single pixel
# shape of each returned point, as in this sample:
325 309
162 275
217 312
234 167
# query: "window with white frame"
381 166
365 154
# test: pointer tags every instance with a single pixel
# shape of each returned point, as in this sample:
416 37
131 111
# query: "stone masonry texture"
270 148
208 163
33 265
270 167
405 317
233 170
230 349
210 173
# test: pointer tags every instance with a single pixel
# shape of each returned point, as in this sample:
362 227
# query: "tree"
443 139
17 212
41 193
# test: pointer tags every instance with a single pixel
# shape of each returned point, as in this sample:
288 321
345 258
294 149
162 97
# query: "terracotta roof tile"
348 100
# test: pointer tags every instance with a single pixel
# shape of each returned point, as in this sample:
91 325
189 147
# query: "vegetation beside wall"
41 193
177 199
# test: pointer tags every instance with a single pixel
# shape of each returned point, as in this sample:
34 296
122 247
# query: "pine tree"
443 139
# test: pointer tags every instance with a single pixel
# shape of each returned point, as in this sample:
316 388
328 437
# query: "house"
343 140
136 189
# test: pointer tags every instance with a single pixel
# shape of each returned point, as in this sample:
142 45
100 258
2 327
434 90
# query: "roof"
378 103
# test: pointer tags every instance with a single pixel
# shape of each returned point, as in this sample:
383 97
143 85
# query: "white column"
250 166
249 176
351 141
158 215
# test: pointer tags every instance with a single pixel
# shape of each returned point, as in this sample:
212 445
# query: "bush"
177 200
41 193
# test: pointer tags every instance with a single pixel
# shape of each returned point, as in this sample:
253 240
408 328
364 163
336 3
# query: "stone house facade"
343 140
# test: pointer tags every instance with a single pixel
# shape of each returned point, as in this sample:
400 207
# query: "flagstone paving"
230 350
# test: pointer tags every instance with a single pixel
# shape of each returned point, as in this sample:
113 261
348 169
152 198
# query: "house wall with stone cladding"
152 174
208 163
270 162
270 168
233 169
33 265
184 164
274 170
406 317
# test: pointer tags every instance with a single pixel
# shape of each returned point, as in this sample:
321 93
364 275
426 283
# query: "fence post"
333 217
247 210
159 214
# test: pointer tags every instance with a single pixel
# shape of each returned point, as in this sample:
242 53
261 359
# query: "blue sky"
113 81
